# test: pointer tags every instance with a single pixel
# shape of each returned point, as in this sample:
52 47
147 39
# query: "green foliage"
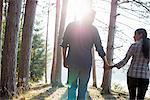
37 58
37 64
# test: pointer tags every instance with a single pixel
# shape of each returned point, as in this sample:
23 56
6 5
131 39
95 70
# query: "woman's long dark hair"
146 42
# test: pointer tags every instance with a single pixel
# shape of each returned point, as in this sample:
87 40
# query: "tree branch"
138 2
143 5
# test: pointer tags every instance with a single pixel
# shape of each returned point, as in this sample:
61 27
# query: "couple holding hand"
78 40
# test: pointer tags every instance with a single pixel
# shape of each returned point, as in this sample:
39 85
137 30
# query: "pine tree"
37 58
1 15
9 54
25 53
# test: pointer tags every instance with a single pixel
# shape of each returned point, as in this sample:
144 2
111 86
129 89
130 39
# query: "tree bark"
1 16
61 33
53 71
9 54
24 63
94 68
46 44
106 84
58 67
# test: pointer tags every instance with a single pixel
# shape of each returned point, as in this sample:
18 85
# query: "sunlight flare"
79 8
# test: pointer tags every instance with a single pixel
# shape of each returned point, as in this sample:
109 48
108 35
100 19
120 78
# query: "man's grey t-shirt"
80 40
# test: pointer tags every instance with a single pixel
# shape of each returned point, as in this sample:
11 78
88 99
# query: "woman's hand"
112 66
108 67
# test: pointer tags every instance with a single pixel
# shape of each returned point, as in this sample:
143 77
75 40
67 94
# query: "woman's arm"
127 57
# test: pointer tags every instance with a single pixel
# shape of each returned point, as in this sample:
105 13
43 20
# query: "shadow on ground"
115 96
40 86
45 94
109 97
65 96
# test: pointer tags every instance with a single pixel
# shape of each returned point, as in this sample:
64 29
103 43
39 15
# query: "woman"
138 73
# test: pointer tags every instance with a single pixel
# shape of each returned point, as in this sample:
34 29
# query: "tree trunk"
9 54
53 71
57 80
61 33
93 58
1 15
46 44
94 68
94 76
106 84
24 63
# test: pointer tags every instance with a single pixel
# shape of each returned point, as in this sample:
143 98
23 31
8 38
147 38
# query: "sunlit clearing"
79 8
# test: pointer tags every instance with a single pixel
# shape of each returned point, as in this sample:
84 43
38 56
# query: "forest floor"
46 92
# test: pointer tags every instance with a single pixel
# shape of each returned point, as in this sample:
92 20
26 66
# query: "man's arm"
105 60
65 45
99 48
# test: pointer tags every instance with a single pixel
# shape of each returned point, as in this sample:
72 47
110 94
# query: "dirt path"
46 92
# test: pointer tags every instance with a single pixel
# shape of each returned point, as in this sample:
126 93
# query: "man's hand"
106 66
65 64
64 57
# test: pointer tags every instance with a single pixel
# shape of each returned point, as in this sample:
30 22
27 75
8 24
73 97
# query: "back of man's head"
89 16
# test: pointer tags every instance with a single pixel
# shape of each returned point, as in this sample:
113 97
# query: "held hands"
112 66
108 67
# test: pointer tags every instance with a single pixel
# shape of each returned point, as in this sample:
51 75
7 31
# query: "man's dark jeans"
78 78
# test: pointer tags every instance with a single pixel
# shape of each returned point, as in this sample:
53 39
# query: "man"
79 39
